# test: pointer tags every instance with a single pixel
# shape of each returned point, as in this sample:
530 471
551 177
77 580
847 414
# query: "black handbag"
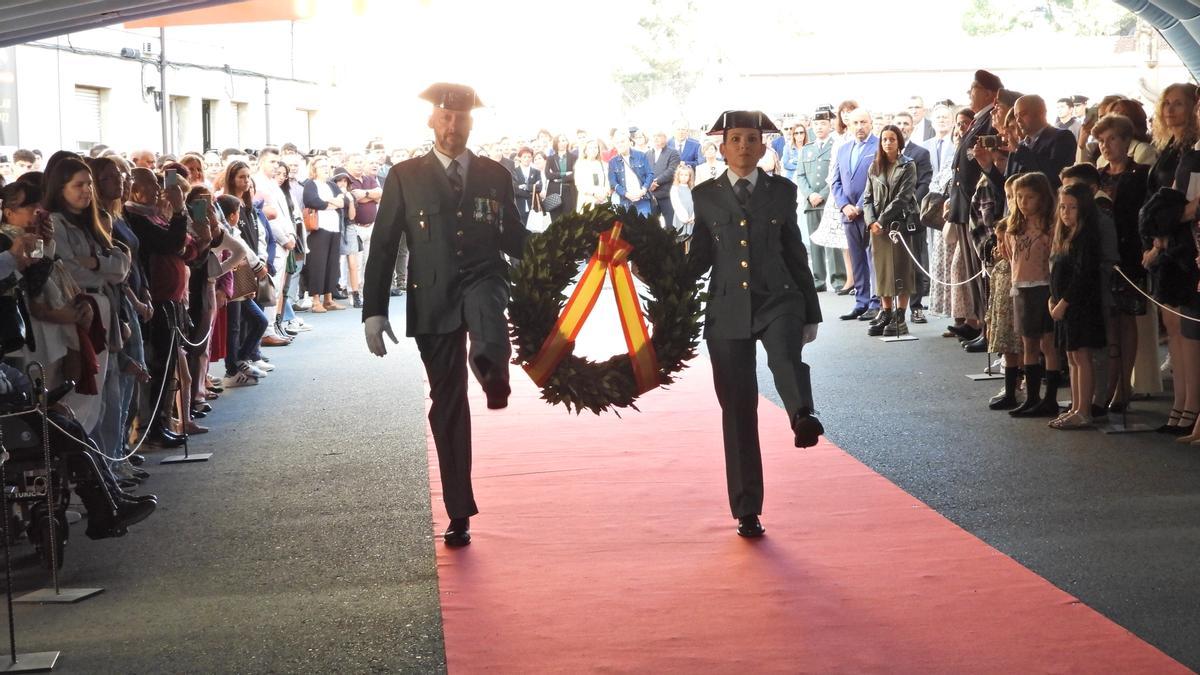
14 323
932 207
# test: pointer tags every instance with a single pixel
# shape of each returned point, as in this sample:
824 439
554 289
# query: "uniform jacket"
890 198
759 264
849 185
966 169
616 174
812 174
690 153
455 263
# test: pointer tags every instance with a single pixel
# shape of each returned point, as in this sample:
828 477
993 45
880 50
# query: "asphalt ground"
305 544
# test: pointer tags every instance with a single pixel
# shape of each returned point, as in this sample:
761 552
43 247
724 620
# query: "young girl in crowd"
681 202
1075 297
1029 240
1002 336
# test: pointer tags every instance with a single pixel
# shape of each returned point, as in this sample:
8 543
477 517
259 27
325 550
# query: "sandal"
1072 421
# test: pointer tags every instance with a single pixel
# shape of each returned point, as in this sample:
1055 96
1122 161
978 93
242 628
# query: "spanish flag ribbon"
612 258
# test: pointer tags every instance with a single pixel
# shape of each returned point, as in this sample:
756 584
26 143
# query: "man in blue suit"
848 186
687 147
630 176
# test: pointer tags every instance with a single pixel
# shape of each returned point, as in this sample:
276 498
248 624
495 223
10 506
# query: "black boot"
1049 405
1008 399
1033 390
357 299
879 323
898 326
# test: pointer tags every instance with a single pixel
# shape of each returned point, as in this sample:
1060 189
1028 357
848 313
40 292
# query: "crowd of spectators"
137 272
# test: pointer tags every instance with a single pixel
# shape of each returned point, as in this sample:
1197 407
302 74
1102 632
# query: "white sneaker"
304 305
250 369
263 366
239 379
297 325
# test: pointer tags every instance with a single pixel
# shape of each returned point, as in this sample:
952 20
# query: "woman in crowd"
1029 240
941 255
286 321
1075 297
245 321
1002 336
591 177
831 233
195 169
712 166
681 202
324 243
1175 131
95 264
890 205
790 161
560 176
1124 181
1141 148
228 253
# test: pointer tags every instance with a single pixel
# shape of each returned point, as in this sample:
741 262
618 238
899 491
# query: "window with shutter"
88 120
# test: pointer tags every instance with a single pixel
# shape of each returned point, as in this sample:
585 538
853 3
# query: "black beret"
988 81
452 96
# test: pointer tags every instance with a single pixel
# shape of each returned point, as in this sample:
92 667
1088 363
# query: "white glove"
810 332
375 327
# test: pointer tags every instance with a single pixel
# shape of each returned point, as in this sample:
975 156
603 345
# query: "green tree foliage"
667 35
1074 17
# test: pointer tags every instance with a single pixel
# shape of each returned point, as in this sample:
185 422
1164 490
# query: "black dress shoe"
134 499
137 460
854 314
131 514
139 474
965 332
750 526
458 533
870 314
845 291
976 346
165 439
202 407
807 428
497 395
127 483
821 288
199 414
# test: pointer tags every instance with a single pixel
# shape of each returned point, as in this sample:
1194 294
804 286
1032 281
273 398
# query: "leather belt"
95 290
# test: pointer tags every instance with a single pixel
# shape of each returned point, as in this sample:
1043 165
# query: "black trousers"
323 264
663 205
735 377
920 248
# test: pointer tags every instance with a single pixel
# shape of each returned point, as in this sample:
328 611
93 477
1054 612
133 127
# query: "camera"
39 249
989 142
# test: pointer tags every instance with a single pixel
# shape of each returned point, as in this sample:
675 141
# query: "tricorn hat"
988 81
823 112
452 96
743 119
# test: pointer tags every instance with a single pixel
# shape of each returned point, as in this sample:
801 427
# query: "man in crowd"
941 147
663 162
274 207
922 128
527 181
812 187
1065 118
849 185
142 159
24 161
983 92
920 156
459 280
761 290
1042 148
630 176
687 147
364 187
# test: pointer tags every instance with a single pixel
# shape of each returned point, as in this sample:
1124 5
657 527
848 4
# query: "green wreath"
552 259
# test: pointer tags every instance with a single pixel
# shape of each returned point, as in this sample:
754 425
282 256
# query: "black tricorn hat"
743 119
452 96
824 112
1079 99
988 81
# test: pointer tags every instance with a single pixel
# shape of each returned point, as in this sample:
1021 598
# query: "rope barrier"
1147 296
897 237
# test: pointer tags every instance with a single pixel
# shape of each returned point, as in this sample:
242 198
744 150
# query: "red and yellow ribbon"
612 258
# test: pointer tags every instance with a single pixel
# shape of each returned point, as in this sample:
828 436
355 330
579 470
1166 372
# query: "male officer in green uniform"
812 183
761 289
457 213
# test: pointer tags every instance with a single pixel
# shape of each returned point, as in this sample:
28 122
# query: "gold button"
416 285
460 214
422 224
745 285
460 254
745 243
459 233
743 223
774 221
745 264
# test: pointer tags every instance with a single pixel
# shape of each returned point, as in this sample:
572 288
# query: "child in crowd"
1002 337
1075 297
1028 240
681 202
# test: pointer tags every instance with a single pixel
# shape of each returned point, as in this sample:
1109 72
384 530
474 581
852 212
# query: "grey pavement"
305 546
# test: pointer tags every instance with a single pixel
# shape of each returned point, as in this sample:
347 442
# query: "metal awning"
26 20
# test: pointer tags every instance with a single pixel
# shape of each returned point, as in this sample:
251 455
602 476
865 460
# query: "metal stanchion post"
187 457
896 237
56 595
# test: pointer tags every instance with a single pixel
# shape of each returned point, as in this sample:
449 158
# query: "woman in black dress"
1075 297
560 177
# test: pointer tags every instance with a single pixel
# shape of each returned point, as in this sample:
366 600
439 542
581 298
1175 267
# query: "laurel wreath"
672 309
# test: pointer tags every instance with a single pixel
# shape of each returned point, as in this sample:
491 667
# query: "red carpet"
605 544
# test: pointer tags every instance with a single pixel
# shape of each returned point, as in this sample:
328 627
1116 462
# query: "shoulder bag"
310 220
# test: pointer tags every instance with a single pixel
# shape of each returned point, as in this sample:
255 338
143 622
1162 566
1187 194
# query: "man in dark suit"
941 146
687 147
527 181
849 185
922 128
967 171
1042 148
761 289
920 248
812 189
458 214
663 162
629 176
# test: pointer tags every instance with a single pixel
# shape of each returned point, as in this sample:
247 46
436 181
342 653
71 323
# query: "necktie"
454 174
742 189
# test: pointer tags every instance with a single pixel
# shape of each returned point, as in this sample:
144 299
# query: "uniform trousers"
446 358
735 377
